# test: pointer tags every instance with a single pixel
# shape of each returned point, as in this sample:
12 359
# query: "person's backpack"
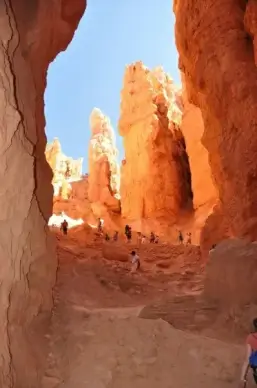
253 359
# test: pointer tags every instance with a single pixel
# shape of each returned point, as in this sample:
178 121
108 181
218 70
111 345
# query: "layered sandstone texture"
65 169
155 175
32 33
192 127
213 52
104 170
77 205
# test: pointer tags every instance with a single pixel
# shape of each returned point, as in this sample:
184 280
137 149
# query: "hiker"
64 227
152 237
180 237
135 262
143 239
250 356
128 233
127 228
189 238
139 237
100 225
212 248
115 236
156 240
107 237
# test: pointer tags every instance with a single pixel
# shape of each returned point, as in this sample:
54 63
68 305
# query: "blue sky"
89 73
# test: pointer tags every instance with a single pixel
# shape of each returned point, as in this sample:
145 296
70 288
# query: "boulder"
231 273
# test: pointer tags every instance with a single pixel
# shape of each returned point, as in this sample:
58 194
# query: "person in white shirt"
135 262
143 239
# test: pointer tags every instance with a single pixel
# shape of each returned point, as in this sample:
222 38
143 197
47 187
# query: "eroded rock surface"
106 343
214 51
65 169
77 205
232 273
155 175
104 172
192 127
216 229
32 33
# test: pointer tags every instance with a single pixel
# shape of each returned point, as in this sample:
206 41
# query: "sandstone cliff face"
77 205
214 52
32 33
104 172
192 127
65 169
155 175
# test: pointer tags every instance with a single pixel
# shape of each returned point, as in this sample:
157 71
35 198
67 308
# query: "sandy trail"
98 339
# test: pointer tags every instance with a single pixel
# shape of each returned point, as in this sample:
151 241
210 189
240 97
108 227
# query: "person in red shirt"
251 346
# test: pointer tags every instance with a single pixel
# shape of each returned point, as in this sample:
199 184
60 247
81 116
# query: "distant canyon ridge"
164 182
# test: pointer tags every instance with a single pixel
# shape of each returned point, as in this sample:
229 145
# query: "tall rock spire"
65 169
155 176
104 171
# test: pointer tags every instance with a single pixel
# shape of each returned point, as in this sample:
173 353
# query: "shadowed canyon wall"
155 175
216 41
32 33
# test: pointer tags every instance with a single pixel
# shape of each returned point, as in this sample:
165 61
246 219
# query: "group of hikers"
141 238
187 240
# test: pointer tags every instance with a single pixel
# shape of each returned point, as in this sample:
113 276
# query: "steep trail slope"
97 338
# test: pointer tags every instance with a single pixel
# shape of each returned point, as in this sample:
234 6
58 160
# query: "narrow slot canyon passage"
128 193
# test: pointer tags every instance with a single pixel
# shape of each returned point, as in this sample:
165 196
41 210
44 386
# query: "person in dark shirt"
64 227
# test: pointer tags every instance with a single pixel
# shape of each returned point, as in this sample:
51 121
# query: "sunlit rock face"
155 175
32 34
65 169
77 206
192 127
215 51
104 171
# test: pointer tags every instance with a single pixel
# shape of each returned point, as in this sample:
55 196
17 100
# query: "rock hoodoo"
213 52
155 175
32 34
104 171
65 169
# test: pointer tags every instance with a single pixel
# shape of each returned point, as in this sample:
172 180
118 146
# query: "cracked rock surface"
32 34
216 44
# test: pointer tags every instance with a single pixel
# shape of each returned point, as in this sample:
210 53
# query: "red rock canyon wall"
32 33
192 127
216 41
155 175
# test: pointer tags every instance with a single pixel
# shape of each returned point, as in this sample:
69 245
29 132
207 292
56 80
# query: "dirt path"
98 339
